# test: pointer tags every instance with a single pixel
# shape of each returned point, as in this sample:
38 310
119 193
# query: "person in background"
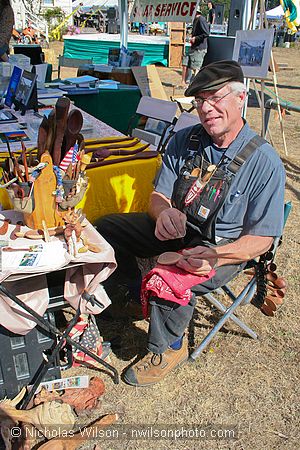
141 28
6 26
193 60
211 13
77 15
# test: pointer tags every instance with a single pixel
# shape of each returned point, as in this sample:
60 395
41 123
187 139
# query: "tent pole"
123 9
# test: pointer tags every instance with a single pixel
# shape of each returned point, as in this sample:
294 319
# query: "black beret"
214 76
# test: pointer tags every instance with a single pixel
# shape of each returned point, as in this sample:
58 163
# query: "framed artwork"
13 85
114 57
26 93
252 49
25 88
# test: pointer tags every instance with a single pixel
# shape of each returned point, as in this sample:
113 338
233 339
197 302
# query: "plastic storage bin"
21 356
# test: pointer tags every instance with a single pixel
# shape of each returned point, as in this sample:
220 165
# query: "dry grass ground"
238 382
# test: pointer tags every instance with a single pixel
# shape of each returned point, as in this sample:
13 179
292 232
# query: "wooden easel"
44 199
262 21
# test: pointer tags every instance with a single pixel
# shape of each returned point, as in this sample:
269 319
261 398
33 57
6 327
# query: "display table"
122 74
112 106
24 296
122 187
96 46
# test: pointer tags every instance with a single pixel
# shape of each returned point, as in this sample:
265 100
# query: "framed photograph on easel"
252 49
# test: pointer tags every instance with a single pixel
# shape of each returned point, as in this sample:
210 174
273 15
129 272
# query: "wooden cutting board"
44 199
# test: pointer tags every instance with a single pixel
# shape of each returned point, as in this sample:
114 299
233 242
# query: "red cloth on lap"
170 283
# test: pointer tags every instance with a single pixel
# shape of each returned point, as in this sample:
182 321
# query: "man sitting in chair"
218 198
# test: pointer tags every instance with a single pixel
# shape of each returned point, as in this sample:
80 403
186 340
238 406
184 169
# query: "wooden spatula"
74 125
62 109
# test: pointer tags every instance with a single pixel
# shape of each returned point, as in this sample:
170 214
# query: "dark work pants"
132 235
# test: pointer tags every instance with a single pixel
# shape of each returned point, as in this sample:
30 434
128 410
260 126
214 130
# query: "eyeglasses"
212 101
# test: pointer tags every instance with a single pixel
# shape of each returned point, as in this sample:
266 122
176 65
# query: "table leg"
63 335
49 361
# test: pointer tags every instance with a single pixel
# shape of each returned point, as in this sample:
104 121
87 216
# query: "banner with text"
163 11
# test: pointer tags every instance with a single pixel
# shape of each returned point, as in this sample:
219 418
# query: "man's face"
221 111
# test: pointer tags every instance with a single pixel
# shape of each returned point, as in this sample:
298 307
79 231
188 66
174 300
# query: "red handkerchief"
170 283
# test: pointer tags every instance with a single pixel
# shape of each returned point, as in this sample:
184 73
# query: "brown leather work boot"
153 367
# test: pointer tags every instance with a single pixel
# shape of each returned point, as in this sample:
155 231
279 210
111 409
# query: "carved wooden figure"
44 199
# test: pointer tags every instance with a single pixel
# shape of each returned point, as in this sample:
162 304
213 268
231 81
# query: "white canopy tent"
275 13
164 7
123 11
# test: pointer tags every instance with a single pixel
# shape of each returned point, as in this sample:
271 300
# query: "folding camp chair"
151 120
246 296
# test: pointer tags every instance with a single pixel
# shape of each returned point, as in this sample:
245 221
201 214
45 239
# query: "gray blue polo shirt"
255 202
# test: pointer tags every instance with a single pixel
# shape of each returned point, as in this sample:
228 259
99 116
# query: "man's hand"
198 260
192 40
170 224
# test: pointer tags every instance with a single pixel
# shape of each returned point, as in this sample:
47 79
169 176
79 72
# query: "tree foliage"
54 16
52 13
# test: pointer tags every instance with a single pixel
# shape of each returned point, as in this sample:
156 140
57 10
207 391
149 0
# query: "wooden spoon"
51 131
271 304
271 276
267 310
280 283
42 137
169 258
276 291
17 229
277 300
74 125
4 227
61 108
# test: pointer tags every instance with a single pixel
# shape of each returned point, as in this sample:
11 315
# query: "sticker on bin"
79 382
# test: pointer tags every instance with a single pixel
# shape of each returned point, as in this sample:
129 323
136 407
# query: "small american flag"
70 157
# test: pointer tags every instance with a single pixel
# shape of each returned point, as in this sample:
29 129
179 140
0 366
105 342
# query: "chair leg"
234 318
247 292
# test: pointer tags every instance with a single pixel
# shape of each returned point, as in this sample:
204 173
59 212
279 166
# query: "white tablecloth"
95 268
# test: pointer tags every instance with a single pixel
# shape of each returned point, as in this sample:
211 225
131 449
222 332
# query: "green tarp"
98 50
